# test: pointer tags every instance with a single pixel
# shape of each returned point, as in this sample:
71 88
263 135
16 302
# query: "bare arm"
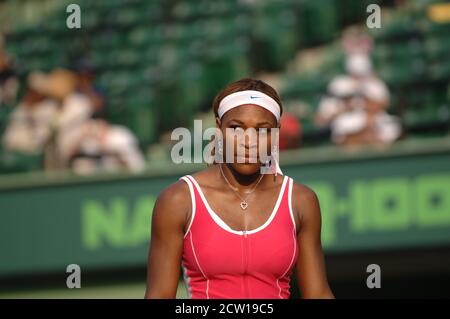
310 267
166 245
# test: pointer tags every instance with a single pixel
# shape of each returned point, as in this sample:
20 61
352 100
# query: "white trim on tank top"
291 211
191 191
219 221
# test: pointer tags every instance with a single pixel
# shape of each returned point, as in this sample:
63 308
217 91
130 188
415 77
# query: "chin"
246 168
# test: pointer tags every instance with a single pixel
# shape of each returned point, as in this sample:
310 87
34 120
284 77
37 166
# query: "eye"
237 128
264 129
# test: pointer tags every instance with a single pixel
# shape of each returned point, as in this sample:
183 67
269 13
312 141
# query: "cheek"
264 146
231 144
233 141
264 141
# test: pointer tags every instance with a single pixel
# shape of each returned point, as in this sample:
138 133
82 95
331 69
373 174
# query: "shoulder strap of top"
290 190
193 201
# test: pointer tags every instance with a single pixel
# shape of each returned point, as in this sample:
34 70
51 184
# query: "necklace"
244 203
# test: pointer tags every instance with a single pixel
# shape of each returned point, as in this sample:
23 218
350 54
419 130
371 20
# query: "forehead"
250 113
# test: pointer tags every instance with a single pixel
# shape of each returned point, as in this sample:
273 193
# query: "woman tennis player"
235 232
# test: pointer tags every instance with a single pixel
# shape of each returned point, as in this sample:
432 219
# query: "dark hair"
243 85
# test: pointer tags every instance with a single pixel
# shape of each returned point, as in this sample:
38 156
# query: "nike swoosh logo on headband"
254 97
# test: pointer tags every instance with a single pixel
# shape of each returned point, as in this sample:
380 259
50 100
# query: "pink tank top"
219 262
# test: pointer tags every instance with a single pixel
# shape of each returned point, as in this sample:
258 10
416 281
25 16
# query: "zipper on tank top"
245 251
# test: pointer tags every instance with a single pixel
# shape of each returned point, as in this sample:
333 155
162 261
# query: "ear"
218 123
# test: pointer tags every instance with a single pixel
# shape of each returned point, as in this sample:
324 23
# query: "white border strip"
291 212
191 191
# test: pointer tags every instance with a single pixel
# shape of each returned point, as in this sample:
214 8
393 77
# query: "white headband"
249 97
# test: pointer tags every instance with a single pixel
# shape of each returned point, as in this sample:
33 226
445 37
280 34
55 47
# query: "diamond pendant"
244 205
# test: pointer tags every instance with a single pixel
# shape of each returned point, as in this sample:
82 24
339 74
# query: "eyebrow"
257 124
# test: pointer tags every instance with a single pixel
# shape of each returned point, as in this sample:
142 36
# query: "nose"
248 143
249 139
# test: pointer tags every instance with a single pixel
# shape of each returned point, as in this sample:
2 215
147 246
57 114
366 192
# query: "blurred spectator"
339 99
369 123
9 84
107 147
29 126
74 110
55 117
357 46
359 66
85 73
354 107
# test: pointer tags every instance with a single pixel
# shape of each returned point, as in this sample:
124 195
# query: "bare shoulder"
305 203
304 193
175 192
173 203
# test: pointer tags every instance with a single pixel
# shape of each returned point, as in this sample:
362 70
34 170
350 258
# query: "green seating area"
410 54
159 63
412 57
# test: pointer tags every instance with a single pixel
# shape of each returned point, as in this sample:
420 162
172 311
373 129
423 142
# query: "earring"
273 159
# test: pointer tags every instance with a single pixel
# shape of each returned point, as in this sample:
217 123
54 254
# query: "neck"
240 181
